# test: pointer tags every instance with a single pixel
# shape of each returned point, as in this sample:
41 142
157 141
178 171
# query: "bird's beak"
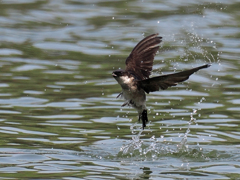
114 75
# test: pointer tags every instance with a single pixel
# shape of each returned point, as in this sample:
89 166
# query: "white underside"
136 99
133 96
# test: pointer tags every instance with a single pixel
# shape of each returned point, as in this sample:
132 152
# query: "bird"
135 81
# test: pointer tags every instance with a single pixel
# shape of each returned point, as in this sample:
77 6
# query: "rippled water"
59 116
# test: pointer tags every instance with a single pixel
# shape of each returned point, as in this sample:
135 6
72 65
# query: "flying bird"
135 81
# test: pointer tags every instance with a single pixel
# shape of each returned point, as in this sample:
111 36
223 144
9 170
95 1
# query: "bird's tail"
144 118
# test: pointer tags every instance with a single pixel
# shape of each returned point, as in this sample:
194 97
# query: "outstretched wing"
165 81
140 61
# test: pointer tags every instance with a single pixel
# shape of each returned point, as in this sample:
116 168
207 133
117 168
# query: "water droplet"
153 137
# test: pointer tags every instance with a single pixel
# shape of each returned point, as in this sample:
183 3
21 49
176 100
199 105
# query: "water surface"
59 116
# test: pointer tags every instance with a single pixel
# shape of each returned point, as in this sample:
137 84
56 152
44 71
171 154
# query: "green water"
59 116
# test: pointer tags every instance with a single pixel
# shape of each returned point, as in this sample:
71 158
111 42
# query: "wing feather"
140 60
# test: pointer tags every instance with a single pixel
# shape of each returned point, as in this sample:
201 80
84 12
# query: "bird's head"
122 77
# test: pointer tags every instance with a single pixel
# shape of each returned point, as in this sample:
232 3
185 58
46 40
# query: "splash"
135 144
147 149
154 148
183 146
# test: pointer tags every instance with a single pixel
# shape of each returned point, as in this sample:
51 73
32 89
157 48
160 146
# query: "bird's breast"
135 96
127 83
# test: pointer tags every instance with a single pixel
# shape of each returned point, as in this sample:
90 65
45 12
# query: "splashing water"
152 147
134 145
183 144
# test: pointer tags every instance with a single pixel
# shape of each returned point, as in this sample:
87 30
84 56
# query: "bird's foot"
119 95
144 118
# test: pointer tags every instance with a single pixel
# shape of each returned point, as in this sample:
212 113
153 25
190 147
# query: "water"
59 116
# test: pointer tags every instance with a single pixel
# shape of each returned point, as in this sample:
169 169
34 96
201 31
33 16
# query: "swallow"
135 81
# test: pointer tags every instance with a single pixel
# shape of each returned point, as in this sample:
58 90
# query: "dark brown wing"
165 81
140 61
